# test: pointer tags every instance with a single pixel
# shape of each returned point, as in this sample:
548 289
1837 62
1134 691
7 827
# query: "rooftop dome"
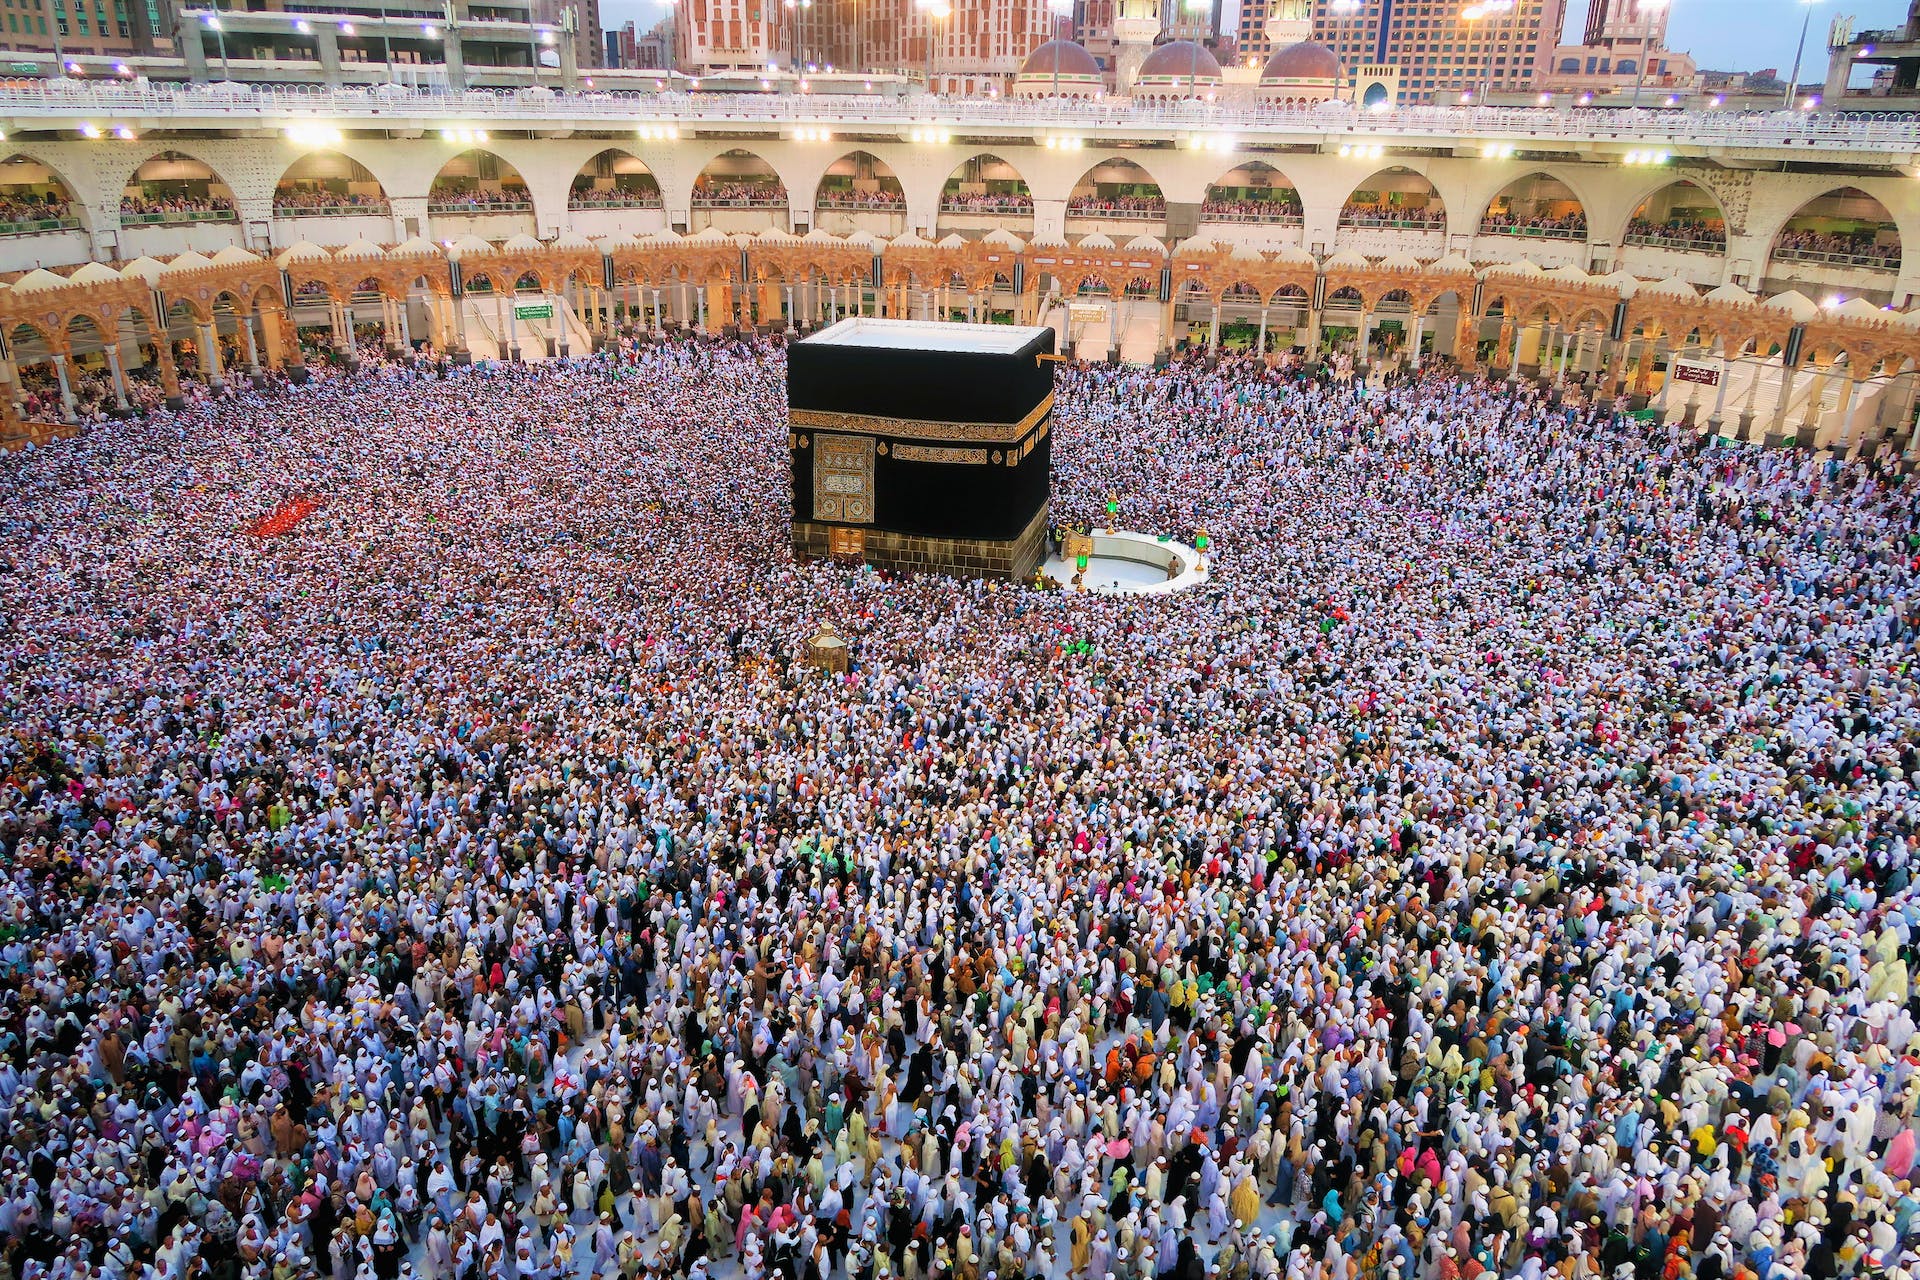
38 280
1303 61
1064 57
1178 60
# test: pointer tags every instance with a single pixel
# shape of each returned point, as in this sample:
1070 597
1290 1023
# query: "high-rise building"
1623 53
1252 33
100 28
1444 50
971 47
1270 25
620 45
726 35
1610 21
589 45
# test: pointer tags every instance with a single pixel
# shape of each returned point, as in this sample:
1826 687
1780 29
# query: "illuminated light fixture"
1809 104
805 85
1716 101
89 130
75 69
304 27
124 133
1585 99
1466 97
428 30
122 69
346 28
313 134
1497 151
546 38
212 20
1672 101
1546 99
765 83
1346 151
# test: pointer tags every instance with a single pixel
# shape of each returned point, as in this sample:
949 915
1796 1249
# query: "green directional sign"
533 311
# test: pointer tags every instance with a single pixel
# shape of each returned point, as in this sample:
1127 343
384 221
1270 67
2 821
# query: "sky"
1722 35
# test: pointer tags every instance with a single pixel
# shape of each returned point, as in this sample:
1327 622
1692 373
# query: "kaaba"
922 445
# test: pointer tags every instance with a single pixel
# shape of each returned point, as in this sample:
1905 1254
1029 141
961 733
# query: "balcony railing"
1817 258
38 226
739 202
620 202
229 106
1264 217
831 200
459 207
986 206
1117 215
1684 244
170 217
1392 224
332 211
1535 233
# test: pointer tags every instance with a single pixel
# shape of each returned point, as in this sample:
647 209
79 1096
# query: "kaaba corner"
921 445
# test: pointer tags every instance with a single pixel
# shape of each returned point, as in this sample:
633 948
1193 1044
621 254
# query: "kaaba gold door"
842 541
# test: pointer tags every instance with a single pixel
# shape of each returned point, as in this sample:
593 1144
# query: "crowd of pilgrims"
1500 868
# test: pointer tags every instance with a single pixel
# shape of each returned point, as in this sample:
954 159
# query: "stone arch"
21 192
745 168
843 184
1536 201
135 158
166 175
988 183
315 175
1392 196
1842 225
478 181
1693 228
1117 187
1239 202
614 178
84 334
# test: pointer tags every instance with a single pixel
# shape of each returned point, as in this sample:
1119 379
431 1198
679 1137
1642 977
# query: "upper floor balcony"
61 105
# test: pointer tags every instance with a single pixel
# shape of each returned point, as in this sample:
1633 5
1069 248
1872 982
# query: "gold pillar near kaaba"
922 445
826 651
